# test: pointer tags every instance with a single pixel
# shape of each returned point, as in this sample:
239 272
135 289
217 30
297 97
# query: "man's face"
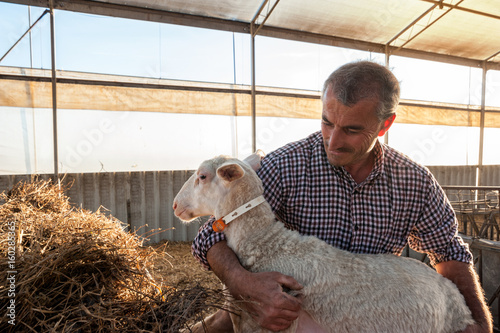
349 133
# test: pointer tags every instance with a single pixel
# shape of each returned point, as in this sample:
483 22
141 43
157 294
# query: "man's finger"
277 324
288 315
289 282
290 303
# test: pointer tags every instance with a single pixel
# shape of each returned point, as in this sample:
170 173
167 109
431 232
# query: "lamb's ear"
230 172
254 160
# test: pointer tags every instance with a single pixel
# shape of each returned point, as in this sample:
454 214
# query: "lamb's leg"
306 324
219 322
244 323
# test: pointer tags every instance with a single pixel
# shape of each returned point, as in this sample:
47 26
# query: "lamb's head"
218 186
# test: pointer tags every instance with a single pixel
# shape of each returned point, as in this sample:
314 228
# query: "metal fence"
477 210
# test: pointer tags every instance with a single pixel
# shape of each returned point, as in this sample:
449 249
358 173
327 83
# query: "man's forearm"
224 262
464 276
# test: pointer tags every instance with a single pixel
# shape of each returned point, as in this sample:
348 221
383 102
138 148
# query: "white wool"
343 292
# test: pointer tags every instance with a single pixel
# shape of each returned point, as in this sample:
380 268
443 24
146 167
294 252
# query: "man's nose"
336 137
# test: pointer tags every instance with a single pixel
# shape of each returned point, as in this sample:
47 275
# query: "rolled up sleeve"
204 240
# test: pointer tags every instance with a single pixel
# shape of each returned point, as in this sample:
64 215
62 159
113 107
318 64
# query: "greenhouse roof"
462 32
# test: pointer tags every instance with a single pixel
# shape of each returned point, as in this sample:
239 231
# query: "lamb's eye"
202 177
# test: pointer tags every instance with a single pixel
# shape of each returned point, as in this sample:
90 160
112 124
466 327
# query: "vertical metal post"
481 126
234 119
54 91
254 115
387 55
29 38
253 32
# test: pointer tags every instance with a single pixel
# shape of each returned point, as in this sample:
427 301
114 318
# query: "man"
343 186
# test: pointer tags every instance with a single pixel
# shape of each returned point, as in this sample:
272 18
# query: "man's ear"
387 124
230 172
254 160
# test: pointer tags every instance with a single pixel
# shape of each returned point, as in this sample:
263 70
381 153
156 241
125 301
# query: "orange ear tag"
218 225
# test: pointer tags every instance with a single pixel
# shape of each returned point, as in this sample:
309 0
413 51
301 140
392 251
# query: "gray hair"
355 81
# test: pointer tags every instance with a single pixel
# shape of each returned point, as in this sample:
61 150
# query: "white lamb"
343 292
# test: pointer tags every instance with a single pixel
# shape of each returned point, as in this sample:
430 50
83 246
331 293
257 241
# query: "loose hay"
78 271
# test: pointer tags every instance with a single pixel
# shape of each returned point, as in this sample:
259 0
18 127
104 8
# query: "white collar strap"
221 223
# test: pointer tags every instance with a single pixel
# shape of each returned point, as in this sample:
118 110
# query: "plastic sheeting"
214 100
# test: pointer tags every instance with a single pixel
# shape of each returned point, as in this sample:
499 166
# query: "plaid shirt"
399 203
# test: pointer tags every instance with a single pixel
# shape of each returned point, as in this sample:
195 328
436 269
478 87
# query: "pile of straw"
71 270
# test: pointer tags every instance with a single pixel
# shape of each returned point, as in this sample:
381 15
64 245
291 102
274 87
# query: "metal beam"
54 93
309 37
492 56
254 29
154 15
254 104
27 31
464 9
255 32
409 26
429 24
135 82
139 13
481 125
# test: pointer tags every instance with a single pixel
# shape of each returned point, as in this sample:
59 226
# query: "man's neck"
360 171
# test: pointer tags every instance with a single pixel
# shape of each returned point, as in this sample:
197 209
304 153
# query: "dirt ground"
176 266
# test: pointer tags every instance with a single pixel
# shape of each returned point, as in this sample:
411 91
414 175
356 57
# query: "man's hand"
262 293
265 299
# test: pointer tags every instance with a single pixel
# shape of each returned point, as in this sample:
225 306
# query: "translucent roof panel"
235 10
486 6
461 34
458 31
375 21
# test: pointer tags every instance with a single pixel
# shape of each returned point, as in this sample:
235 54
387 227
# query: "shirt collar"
378 165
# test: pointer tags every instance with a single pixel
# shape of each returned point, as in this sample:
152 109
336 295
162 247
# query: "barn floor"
176 266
